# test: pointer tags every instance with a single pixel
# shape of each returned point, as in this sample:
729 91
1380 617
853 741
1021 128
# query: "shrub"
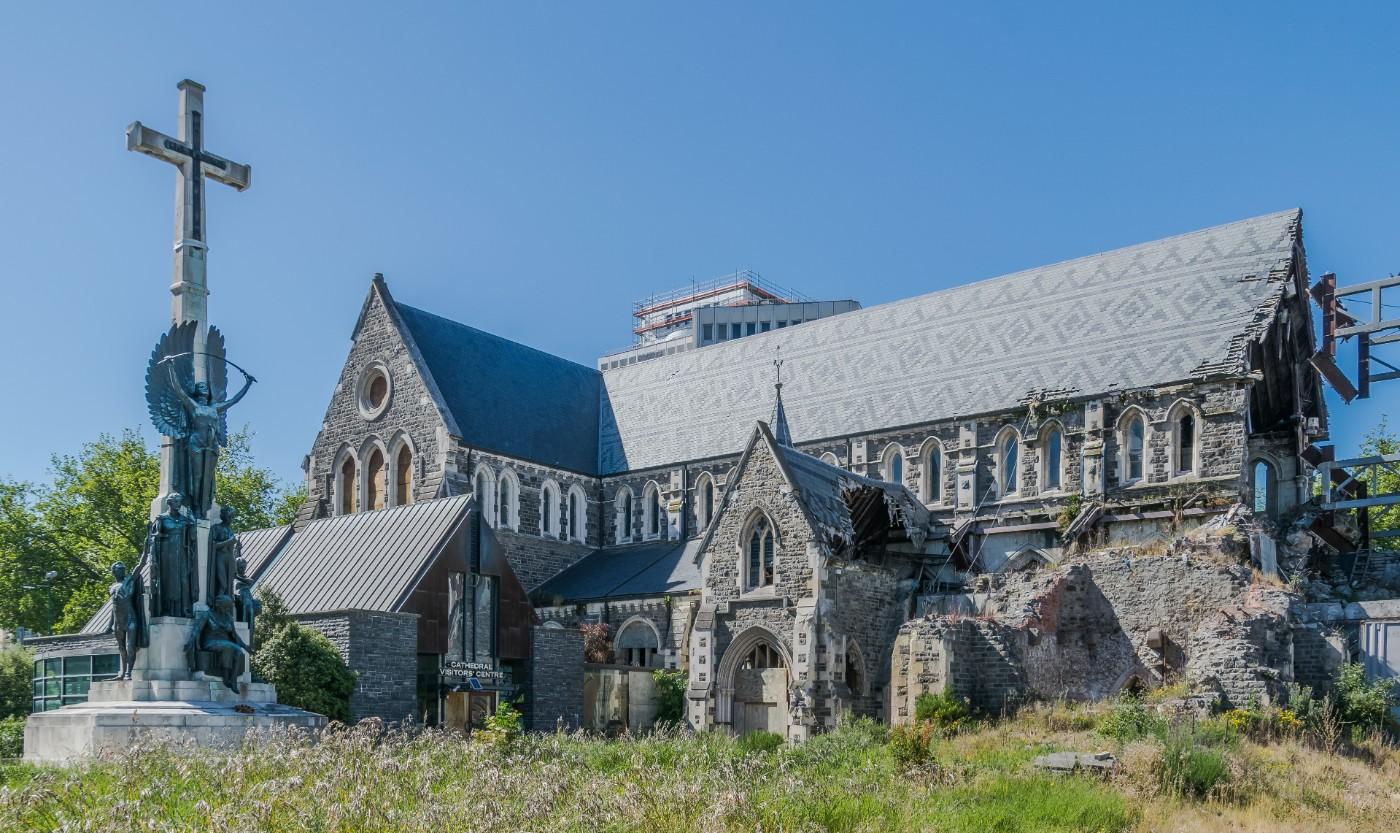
1188 769
944 710
307 670
272 617
16 682
759 742
596 646
1364 706
502 727
911 744
12 736
1130 719
670 696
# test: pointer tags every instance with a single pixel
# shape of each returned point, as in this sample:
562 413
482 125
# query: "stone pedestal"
121 714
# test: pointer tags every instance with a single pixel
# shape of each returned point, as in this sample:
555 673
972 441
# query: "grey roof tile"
651 569
509 398
1149 314
364 561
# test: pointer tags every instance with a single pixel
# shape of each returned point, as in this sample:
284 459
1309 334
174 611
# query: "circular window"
374 390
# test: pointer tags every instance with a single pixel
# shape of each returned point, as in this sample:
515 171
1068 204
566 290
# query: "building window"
932 475
831 459
478 611
1052 457
1263 477
1008 460
705 500
751 327
1184 442
346 492
654 516
765 326
484 488
707 333
508 508
735 331
758 547
549 510
576 517
403 476
892 468
1134 440
622 516
372 391
637 644
763 655
374 480
63 681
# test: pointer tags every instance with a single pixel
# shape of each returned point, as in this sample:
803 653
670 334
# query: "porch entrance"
464 711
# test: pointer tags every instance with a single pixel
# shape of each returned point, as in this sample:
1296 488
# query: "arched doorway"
754 677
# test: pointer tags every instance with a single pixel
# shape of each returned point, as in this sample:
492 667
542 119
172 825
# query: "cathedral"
764 492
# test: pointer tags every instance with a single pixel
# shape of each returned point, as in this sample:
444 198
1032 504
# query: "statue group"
187 393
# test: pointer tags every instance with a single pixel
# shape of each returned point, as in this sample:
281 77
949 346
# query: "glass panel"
484 619
1052 461
105 665
38 669
38 689
897 468
77 665
935 476
75 685
1187 442
53 667
1008 467
1135 436
51 686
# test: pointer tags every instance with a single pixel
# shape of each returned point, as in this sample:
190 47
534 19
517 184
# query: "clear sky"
531 169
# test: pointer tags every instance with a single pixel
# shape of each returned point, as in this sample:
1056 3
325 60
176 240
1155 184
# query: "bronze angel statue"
191 410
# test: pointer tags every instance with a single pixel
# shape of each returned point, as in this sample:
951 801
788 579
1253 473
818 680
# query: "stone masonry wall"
864 606
976 660
382 649
410 413
555 680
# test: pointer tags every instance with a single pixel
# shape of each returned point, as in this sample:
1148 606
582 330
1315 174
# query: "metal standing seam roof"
257 546
1145 315
509 398
363 561
650 569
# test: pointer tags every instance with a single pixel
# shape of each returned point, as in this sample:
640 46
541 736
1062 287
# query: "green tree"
1381 440
307 670
93 513
16 682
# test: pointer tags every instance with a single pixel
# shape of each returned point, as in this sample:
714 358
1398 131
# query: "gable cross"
193 163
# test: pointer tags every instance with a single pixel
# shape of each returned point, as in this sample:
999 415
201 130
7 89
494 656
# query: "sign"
473 675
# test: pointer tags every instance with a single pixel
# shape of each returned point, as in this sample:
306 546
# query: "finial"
781 432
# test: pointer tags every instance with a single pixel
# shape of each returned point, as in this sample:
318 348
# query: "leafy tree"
93 513
670 695
307 670
272 618
1381 440
16 682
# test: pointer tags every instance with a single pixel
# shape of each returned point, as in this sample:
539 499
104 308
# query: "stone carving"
186 392
171 549
128 614
223 555
215 646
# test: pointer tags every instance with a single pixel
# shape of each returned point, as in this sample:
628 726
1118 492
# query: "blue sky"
531 169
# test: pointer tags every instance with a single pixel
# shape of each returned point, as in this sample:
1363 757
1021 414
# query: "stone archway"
754 677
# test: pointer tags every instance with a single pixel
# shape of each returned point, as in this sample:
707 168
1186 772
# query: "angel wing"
217 370
166 406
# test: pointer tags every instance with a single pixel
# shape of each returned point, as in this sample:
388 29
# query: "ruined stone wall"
1244 652
976 660
864 605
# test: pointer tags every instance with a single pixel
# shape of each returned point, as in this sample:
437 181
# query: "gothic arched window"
403 476
374 480
705 500
549 509
346 487
484 487
1184 431
1008 462
653 515
1134 443
892 468
1052 459
759 545
931 476
508 510
622 515
1263 477
576 517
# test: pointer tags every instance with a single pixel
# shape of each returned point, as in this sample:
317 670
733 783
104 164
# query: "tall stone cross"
194 163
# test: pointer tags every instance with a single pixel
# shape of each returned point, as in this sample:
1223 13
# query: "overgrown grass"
978 779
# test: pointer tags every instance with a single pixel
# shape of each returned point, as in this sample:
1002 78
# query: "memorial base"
122 714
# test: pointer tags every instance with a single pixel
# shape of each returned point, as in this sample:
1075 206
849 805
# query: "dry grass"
981 779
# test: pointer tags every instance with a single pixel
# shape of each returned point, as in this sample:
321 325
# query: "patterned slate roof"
257 546
364 561
651 569
1149 314
509 398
